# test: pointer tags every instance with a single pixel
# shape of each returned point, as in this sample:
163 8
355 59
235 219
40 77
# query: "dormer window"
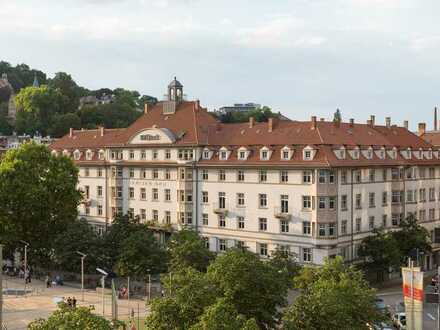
242 153
223 154
76 154
101 154
286 153
89 154
369 153
66 153
206 154
308 153
264 153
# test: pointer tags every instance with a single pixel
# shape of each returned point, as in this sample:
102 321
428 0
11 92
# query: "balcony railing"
220 208
284 213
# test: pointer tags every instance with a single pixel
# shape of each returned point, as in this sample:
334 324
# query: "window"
168 154
221 221
155 194
384 220
344 202
307 202
143 214
189 196
431 194
131 172
384 198
167 217
240 221
240 199
167 195
131 154
384 174
143 174
262 200
307 255
284 176
262 224
358 225
206 154
86 171
99 209
263 176
222 245
344 177
395 173
130 213
307 154
99 172
422 215
181 194
285 155
331 203
205 175
358 176
222 200
189 219
155 215
307 177
422 195
242 155
284 203
143 194
322 176
343 227
143 154
263 249
284 226
240 175
321 230
119 172
372 175
371 222
99 191
358 201
87 210
167 174
221 175
185 154
119 192
155 173
331 229
331 177
264 155
372 199
431 172
322 202
409 196
307 228
155 154
223 155
431 215
182 174
131 192
205 198
205 221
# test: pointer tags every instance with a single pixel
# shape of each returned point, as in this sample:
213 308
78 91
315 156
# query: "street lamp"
104 275
26 244
149 285
83 256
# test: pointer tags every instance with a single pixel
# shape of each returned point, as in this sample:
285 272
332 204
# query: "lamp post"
149 285
104 275
83 256
26 244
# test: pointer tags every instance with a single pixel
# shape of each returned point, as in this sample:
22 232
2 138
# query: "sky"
300 57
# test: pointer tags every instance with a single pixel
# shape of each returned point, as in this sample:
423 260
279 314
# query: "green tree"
252 286
260 115
62 123
67 87
67 318
190 292
77 236
21 75
333 297
285 264
223 316
187 249
380 252
38 197
36 108
140 254
410 237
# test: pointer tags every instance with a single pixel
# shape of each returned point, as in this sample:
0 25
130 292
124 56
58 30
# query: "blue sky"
301 57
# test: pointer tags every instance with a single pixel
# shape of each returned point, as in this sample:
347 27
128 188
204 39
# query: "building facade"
316 188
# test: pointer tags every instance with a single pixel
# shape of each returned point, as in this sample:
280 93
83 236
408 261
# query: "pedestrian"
69 302
74 302
48 282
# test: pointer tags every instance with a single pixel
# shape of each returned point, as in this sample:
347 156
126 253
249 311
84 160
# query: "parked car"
380 305
399 320
381 326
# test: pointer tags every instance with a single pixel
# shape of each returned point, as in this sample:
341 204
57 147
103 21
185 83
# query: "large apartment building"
314 187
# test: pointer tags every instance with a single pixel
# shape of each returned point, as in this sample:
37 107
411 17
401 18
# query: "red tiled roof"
432 138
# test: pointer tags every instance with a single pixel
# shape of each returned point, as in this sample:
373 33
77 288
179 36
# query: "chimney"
422 128
351 122
272 123
251 122
372 119
146 108
388 122
71 132
197 105
405 124
313 122
101 130
322 119
435 119
369 122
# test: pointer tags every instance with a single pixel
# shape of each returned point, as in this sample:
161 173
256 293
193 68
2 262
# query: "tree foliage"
38 197
68 318
333 297
21 75
187 249
260 115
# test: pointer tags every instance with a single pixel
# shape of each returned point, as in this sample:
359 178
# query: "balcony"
220 208
86 201
282 213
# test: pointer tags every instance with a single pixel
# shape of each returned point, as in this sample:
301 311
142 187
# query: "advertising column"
413 296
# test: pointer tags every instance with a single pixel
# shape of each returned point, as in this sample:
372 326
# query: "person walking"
69 302
74 302
48 282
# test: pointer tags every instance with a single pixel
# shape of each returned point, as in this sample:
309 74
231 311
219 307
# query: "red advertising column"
413 297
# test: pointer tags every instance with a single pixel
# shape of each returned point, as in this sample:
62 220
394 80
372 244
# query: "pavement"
20 310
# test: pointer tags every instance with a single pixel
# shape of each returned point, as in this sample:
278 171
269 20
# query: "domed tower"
175 91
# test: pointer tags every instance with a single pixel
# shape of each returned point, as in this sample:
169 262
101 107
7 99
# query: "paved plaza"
19 310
